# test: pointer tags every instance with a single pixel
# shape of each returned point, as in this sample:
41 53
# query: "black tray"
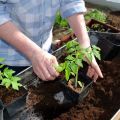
108 42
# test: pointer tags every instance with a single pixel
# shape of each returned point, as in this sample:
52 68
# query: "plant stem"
76 78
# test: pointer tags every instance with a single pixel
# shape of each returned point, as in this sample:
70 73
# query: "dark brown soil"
8 95
114 19
103 100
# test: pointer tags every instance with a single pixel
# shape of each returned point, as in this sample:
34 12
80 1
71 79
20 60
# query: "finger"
97 69
39 74
90 72
95 77
46 73
52 71
52 68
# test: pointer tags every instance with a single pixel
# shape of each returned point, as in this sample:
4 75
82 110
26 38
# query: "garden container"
53 97
95 25
108 42
9 109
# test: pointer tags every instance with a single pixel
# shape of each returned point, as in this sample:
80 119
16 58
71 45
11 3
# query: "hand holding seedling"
42 63
75 55
94 70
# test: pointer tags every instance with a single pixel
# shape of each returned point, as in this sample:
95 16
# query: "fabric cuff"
73 8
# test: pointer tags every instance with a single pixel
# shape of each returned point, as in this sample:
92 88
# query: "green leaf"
74 67
70 57
67 70
60 67
70 50
79 62
72 44
16 85
97 54
8 72
89 56
95 47
1 66
16 79
7 85
5 80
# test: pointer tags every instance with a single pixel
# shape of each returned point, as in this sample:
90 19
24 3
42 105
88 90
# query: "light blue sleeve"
4 15
71 7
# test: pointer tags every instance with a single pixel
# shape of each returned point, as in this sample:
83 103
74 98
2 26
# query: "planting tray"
102 26
57 96
108 42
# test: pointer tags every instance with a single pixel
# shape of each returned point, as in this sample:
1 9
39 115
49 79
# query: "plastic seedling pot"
3 112
13 107
108 42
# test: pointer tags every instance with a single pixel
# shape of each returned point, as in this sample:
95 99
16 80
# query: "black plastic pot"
108 42
6 111
1 110
56 97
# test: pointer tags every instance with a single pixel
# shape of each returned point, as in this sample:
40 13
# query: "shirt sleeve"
71 7
4 15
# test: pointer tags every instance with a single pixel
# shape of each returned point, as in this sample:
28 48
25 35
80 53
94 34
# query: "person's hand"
94 70
43 65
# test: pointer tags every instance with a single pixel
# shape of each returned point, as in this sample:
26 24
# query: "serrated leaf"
60 67
16 79
8 72
70 57
74 67
95 47
5 80
97 54
79 62
15 85
71 50
89 56
67 70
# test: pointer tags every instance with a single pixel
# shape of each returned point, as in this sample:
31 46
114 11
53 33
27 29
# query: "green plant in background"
96 14
74 60
8 79
60 22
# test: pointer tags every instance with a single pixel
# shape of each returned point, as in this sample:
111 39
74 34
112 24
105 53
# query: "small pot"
8 110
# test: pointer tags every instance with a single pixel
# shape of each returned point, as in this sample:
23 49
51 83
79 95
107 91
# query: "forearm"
78 25
12 35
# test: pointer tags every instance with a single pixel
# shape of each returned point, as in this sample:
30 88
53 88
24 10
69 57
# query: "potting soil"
101 103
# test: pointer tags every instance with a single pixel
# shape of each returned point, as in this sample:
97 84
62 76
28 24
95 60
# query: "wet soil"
103 99
101 103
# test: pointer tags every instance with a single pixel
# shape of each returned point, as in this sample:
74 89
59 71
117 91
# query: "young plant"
96 14
74 60
8 79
